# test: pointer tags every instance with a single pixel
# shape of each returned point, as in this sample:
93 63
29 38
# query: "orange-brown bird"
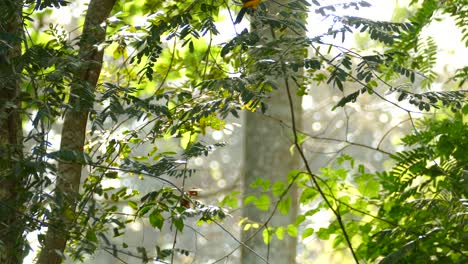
246 5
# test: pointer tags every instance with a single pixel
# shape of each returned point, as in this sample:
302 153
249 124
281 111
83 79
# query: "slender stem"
347 141
169 68
313 176
240 242
178 203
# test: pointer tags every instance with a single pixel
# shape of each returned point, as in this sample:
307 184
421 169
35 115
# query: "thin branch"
107 250
178 203
362 212
313 176
362 83
240 242
169 67
388 132
336 139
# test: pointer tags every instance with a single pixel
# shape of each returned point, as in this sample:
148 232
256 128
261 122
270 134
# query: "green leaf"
278 188
156 219
135 140
231 200
260 182
300 218
292 230
266 236
284 205
367 185
339 240
445 146
133 205
116 232
280 233
179 223
144 210
263 202
91 236
323 233
293 175
111 175
301 138
307 195
291 149
250 199
187 139
465 109
307 233
341 159
140 157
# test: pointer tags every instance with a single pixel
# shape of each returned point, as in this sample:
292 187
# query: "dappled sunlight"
166 132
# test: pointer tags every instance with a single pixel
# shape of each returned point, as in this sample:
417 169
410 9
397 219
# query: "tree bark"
12 196
267 155
74 131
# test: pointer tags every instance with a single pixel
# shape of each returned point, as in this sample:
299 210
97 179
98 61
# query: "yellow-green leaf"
266 236
307 233
292 230
278 188
280 233
133 205
263 202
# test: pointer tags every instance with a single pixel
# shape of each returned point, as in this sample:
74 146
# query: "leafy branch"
313 177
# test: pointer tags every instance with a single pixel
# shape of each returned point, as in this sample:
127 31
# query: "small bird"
246 5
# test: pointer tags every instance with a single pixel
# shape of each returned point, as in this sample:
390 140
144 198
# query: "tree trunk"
12 196
267 155
74 131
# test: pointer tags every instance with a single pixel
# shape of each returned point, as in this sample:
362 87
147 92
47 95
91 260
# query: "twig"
313 176
240 242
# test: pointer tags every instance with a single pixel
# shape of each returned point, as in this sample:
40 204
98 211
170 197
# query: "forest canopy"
275 131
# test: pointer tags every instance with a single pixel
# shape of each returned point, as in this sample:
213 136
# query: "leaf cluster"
413 213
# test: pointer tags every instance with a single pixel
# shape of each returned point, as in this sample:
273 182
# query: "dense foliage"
166 79
413 213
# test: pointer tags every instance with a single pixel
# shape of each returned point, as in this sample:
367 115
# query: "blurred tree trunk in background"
267 155
74 130
11 139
